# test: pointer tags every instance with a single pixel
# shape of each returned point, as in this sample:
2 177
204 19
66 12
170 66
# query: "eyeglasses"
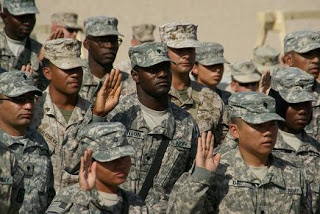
252 84
22 99
103 42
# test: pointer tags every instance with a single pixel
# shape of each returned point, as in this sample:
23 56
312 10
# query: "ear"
233 85
195 69
135 75
3 17
47 73
234 131
86 44
133 42
288 59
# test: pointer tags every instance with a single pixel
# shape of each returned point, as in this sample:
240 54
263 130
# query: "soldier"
102 42
140 34
99 190
292 90
301 50
17 99
205 106
67 23
248 179
209 67
265 58
244 77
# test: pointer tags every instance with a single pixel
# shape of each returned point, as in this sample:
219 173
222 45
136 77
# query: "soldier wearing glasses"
102 42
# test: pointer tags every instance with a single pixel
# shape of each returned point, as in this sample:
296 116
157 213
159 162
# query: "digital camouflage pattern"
179 35
233 188
64 53
265 58
306 157
253 107
313 128
143 32
107 141
293 84
17 83
229 143
301 41
210 53
101 26
20 7
68 20
244 72
148 54
224 95
49 121
32 154
72 200
178 129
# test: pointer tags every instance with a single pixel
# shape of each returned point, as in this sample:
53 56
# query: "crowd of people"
155 133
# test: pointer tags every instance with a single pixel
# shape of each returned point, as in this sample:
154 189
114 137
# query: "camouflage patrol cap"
265 58
144 32
69 20
179 35
64 53
20 7
148 54
106 140
210 53
244 72
16 83
253 107
101 26
293 84
301 41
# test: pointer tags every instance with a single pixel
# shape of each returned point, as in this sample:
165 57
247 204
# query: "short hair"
46 62
236 120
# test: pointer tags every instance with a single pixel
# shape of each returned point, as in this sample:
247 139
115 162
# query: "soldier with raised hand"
302 50
67 23
103 167
34 177
248 179
205 106
209 67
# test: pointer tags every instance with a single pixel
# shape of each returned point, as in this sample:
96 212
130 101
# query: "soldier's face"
256 139
64 81
16 113
298 116
67 32
309 61
113 173
183 59
154 81
102 49
18 27
209 75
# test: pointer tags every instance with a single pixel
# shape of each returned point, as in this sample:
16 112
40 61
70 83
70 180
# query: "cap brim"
213 61
146 64
23 90
247 78
68 63
24 11
119 152
297 96
109 33
73 26
183 44
254 118
147 39
308 48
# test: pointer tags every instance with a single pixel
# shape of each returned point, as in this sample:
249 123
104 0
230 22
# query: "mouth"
314 70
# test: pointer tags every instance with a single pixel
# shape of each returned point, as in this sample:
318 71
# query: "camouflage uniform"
100 26
108 142
67 20
8 60
205 106
265 58
294 86
31 152
48 120
234 188
302 42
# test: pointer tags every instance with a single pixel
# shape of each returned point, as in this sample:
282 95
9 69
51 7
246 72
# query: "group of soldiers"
154 134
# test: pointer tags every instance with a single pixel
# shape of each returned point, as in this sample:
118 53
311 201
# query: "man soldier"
67 23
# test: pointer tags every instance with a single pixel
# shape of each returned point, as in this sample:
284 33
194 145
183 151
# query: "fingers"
94 170
217 159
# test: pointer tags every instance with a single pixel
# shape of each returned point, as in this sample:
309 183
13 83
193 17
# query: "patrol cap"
101 26
20 7
210 53
143 32
64 53
301 41
179 35
148 54
16 83
293 84
69 20
106 140
244 72
265 58
253 107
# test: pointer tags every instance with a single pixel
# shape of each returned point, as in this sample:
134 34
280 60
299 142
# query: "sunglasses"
22 99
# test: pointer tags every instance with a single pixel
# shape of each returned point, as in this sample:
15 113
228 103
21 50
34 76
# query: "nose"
28 105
